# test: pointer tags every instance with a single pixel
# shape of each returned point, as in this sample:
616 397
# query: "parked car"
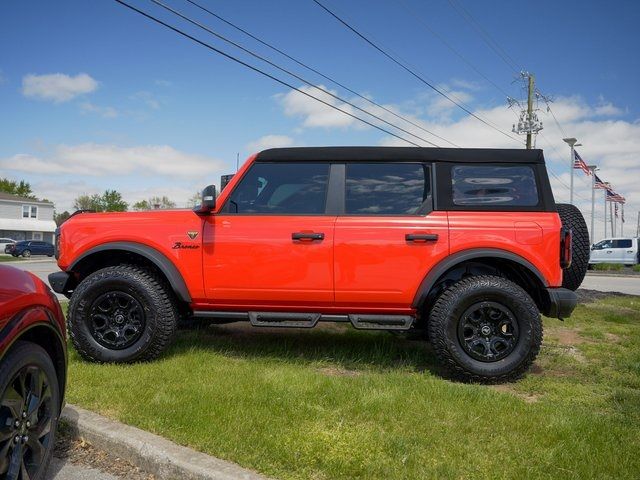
615 250
4 243
33 371
27 248
465 245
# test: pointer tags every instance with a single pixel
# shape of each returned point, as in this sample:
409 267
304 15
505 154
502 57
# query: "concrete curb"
149 452
612 274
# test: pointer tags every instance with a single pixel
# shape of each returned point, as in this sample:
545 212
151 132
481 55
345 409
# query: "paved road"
612 283
603 283
63 470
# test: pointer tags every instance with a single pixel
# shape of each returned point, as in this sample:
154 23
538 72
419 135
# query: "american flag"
579 163
598 183
614 197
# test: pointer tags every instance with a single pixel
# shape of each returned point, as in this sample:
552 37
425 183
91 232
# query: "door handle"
307 236
609 251
421 237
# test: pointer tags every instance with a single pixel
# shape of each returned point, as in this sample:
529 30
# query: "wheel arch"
114 253
482 261
50 340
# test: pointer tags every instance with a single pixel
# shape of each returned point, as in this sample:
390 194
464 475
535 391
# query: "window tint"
386 188
281 188
477 185
601 245
626 243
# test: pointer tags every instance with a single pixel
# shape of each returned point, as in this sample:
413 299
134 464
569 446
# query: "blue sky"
151 102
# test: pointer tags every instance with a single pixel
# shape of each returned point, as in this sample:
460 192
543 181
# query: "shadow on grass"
337 345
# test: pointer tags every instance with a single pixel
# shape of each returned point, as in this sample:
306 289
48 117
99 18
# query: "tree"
195 200
109 201
21 188
154 203
60 218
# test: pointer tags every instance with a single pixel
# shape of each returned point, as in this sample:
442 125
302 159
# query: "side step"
381 322
284 319
361 321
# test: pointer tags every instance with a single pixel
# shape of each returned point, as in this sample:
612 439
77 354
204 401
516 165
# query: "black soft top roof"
402 154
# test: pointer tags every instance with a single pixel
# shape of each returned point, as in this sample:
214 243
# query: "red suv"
465 245
33 362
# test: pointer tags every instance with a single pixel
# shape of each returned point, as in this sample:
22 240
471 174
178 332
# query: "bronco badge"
192 235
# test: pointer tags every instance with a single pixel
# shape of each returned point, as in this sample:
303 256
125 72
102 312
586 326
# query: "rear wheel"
572 218
29 409
485 329
123 313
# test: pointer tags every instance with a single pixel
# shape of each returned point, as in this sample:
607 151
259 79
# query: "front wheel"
485 329
29 409
123 313
26 253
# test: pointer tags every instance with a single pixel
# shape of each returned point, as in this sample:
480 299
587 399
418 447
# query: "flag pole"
571 142
592 234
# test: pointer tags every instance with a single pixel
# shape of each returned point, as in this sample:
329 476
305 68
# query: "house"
25 218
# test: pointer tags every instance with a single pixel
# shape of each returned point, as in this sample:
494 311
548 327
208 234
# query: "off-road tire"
572 218
155 298
26 354
447 312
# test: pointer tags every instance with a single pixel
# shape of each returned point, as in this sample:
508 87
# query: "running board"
284 319
381 322
361 321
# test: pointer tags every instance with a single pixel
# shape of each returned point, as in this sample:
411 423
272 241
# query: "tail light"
565 247
56 245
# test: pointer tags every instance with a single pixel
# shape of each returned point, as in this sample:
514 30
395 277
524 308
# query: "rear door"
272 242
627 252
388 236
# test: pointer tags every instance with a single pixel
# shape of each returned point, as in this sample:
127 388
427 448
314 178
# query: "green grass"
8 258
636 268
608 267
343 404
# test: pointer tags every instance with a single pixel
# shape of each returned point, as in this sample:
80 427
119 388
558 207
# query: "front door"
388 237
271 244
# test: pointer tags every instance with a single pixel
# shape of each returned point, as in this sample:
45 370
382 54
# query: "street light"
571 142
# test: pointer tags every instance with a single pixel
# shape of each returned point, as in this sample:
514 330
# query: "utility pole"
638 227
592 234
528 122
530 106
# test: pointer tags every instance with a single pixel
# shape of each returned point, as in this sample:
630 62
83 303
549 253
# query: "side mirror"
208 203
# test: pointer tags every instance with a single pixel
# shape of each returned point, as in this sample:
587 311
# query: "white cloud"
314 113
163 83
57 87
100 160
147 98
270 141
106 112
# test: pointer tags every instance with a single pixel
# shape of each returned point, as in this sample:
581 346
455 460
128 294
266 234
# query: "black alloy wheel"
27 423
116 320
488 331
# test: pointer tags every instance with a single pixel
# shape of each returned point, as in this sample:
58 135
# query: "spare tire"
572 218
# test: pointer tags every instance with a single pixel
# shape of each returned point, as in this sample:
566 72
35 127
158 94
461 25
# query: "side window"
625 243
386 188
603 244
281 189
494 185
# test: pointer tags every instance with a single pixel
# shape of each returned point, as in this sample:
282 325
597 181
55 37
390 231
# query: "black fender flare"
165 265
452 260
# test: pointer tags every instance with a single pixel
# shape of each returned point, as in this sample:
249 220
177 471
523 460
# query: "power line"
256 69
288 72
413 73
317 72
413 14
464 13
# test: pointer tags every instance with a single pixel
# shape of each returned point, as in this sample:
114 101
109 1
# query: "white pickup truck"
615 250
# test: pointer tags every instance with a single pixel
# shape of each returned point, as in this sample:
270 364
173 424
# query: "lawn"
341 404
8 258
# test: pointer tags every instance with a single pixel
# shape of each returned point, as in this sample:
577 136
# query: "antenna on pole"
528 123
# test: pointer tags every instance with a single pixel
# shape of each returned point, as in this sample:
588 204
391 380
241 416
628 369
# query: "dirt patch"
526 397
612 337
338 372
80 452
568 336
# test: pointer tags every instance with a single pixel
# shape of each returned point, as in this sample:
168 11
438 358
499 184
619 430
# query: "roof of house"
402 154
16 198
